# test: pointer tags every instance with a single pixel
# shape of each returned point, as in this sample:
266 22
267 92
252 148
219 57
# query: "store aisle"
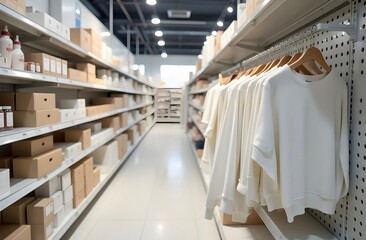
157 194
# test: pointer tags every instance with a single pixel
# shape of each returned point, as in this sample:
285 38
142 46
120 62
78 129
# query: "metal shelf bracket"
350 29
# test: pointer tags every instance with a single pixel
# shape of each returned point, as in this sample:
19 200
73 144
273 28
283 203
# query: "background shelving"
169 105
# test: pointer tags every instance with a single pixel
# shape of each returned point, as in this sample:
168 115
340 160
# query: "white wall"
153 62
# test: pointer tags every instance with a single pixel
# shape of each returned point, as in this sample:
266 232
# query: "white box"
4 180
106 156
53 65
57 27
49 188
65 32
58 201
59 216
69 149
68 195
59 67
65 179
241 14
68 115
42 19
68 208
94 126
80 113
64 68
101 136
72 103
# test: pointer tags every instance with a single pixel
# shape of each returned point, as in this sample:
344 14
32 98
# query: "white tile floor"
157 194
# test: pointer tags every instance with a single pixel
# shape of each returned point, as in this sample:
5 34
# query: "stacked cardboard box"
89 70
68 196
15 232
17 5
36 157
50 65
81 37
96 42
35 110
122 145
40 216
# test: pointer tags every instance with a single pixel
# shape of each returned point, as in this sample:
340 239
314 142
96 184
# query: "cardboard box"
78 183
87 67
81 37
131 136
111 122
75 74
95 80
88 174
124 96
16 213
59 136
42 59
64 68
58 201
7 99
59 67
79 135
32 147
100 137
15 232
72 103
94 126
95 110
41 232
68 194
38 166
36 118
116 101
96 176
124 119
48 188
7 162
59 217
69 149
106 156
4 180
53 66
35 101
65 179
253 219
96 41
40 211
122 145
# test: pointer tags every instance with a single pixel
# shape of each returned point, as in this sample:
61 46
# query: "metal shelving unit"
169 105
199 108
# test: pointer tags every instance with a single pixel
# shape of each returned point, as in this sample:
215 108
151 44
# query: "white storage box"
65 179
49 188
94 126
43 19
58 201
72 103
69 149
65 32
68 208
4 180
241 14
101 136
59 216
80 113
68 115
106 156
68 195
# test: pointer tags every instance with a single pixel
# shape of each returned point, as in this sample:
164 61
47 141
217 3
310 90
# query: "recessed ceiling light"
161 43
200 56
220 23
164 55
155 20
214 33
151 2
230 9
159 33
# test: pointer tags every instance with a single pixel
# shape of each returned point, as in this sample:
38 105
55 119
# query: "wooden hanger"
273 64
311 66
294 58
226 80
258 69
311 54
248 71
301 69
283 61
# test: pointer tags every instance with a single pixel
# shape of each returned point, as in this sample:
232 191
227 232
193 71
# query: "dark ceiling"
181 36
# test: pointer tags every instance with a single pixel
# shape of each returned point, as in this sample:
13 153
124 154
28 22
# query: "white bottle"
6 46
17 57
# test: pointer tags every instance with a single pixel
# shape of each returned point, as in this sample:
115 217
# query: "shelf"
21 187
75 213
17 134
168 119
29 79
200 91
202 131
196 106
37 37
273 21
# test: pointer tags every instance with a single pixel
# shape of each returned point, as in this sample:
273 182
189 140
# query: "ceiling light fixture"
214 33
151 2
230 9
161 43
220 23
164 55
105 34
155 20
200 56
159 33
